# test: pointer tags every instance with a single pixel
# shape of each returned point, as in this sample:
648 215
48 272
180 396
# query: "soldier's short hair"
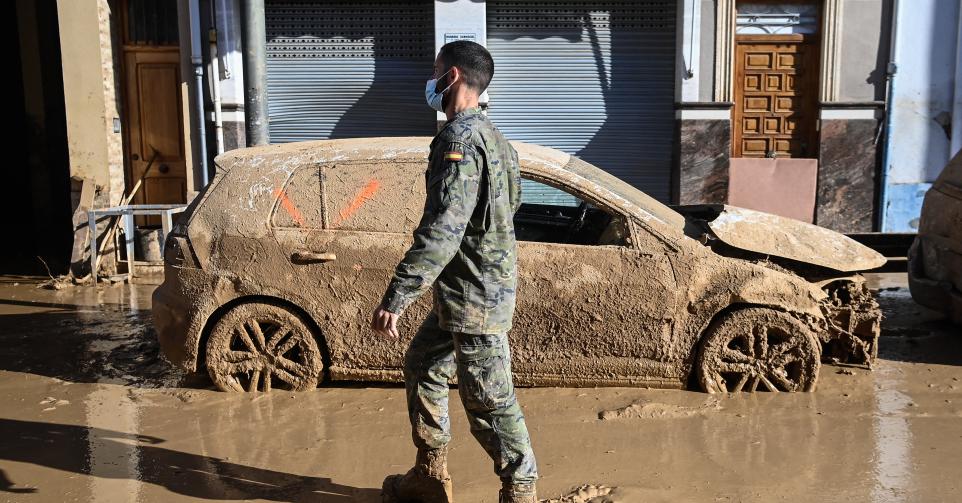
474 61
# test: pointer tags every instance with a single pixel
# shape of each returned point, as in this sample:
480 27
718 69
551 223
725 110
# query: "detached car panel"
786 238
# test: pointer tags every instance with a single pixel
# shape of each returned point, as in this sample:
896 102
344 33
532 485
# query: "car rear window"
299 202
376 197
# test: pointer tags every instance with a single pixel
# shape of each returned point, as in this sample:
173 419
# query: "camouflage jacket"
465 242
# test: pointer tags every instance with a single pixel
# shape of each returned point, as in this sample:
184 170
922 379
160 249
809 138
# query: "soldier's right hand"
384 322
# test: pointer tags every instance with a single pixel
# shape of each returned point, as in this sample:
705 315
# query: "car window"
374 197
552 215
538 193
298 204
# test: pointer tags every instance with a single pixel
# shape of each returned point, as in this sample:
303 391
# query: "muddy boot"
427 482
518 493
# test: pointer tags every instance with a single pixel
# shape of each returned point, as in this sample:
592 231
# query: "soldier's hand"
384 322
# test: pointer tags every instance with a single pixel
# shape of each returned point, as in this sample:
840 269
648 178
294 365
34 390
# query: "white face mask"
431 94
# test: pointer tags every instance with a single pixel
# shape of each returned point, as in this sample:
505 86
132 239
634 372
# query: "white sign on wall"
451 37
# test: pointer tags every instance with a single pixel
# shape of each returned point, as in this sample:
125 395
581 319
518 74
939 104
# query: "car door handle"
307 257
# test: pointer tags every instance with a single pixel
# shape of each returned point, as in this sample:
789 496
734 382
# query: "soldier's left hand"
384 322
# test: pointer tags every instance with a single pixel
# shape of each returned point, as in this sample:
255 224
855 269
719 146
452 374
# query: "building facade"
662 93
925 112
665 94
789 79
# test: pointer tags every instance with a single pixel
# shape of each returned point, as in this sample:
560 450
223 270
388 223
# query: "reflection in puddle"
893 440
114 463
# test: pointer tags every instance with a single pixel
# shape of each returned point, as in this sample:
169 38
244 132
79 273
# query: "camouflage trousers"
483 366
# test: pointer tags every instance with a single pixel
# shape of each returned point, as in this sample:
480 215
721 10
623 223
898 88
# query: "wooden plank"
79 265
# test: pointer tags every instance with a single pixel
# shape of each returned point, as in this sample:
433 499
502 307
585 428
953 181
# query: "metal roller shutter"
594 79
342 69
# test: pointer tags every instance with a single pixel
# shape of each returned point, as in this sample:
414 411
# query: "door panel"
353 285
155 125
776 95
369 212
590 312
583 312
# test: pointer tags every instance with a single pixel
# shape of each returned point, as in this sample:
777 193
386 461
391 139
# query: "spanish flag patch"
453 156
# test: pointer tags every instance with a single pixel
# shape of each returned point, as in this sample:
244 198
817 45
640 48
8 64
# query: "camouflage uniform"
465 246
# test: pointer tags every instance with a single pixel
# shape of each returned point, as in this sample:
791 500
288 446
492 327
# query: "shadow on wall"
941 68
632 100
878 77
612 69
349 69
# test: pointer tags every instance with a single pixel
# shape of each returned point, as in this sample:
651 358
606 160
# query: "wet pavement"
91 412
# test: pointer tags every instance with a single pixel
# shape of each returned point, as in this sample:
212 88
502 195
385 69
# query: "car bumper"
935 275
854 322
180 313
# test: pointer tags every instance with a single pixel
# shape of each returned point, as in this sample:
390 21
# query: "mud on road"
91 412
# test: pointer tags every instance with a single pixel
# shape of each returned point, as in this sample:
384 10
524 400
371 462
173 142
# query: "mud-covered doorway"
154 146
776 79
36 197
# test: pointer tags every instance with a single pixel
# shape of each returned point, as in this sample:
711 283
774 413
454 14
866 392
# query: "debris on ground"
656 410
590 493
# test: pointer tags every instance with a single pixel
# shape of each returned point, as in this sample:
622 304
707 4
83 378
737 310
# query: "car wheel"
259 347
758 349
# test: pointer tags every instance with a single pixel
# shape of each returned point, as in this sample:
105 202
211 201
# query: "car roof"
541 161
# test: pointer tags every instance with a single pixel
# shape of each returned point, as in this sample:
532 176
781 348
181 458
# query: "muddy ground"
90 412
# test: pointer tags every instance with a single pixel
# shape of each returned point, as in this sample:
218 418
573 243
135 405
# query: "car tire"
260 346
758 349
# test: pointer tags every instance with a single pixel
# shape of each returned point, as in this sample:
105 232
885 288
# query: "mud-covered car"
935 258
274 269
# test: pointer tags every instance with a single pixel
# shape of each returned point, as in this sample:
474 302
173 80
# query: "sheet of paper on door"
784 187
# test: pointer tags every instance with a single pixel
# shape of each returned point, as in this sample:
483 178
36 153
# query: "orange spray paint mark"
362 197
289 207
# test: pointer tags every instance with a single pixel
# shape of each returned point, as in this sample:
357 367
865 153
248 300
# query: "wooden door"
154 124
776 96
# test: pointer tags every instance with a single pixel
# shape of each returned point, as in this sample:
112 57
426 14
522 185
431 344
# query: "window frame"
631 221
275 206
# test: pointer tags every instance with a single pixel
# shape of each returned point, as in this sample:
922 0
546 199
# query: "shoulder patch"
453 156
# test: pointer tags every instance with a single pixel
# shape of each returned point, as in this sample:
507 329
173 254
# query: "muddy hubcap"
263 354
765 358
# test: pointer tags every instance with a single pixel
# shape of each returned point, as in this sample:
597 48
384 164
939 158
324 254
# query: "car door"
594 304
370 212
290 267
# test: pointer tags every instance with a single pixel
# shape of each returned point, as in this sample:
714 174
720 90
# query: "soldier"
465 246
